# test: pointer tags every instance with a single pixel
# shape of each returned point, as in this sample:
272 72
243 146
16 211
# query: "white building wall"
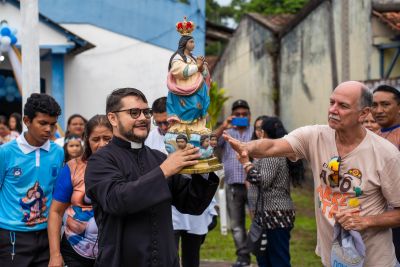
116 61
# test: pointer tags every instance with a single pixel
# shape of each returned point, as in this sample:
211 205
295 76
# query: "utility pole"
30 48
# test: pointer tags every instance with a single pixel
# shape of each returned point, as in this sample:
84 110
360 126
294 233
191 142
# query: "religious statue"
188 82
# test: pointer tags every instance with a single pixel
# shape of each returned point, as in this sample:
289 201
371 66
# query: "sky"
223 2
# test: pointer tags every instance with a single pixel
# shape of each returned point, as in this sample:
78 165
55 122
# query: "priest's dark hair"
41 103
95 121
160 105
114 99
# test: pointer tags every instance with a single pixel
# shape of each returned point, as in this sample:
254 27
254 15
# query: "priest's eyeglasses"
135 112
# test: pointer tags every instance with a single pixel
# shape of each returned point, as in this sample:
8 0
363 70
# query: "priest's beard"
129 133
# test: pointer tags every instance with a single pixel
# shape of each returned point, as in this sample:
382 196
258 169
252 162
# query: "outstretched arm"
261 148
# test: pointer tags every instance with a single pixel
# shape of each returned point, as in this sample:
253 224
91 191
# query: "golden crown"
185 27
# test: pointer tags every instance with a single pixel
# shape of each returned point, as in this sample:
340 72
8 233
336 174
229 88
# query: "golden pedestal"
204 166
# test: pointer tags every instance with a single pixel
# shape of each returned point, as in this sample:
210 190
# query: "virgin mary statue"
188 100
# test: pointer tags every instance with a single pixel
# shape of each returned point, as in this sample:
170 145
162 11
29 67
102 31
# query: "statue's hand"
200 62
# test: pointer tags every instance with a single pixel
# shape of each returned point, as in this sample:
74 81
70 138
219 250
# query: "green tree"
266 7
217 100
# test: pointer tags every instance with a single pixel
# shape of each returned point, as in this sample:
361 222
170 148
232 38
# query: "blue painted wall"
152 21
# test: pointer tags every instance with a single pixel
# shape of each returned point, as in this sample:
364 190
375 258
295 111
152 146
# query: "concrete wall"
245 70
116 61
306 60
305 71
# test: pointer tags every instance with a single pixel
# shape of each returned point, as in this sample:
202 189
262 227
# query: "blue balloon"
9 81
2 92
2 80
13 39
5 31
10 98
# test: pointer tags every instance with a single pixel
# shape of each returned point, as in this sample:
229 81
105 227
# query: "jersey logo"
17 172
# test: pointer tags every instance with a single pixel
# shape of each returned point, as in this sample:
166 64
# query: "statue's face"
190 45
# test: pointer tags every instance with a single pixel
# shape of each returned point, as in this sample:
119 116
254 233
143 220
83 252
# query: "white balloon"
4 48
5 40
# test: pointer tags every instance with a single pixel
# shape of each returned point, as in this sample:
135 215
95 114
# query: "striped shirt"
234 172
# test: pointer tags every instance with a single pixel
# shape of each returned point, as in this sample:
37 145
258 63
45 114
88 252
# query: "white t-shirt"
60 141
155 140
368 179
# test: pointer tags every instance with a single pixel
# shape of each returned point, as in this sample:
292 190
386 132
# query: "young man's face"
40 128
385 109
160 120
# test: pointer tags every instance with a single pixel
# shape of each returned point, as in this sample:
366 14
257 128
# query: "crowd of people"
108 193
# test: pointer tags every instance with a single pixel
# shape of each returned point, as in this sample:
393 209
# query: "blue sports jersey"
27 178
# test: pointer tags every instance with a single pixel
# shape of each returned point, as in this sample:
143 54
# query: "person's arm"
351 220
106 185
261 148
225 125
54 223
61 200
390 182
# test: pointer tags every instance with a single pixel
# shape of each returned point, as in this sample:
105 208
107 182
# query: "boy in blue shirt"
28 168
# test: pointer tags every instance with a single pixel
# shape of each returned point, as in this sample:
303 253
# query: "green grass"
302 244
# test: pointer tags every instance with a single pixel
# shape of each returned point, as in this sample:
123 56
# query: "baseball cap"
348 248
240 104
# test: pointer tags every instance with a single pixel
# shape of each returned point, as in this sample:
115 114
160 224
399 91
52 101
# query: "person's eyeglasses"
258 128
160 123
135 112
241 114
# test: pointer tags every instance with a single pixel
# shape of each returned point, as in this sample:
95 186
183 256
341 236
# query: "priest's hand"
180 159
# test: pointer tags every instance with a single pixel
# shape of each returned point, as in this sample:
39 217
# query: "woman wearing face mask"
275 210
79 242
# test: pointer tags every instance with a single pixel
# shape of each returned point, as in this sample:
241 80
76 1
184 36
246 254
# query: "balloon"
10 98
9 81
2 92
5 31
4 48
13 39
2 80
5 40
10 89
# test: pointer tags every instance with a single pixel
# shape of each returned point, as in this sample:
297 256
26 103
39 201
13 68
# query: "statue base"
204 166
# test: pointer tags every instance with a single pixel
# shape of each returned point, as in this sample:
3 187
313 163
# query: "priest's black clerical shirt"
132 203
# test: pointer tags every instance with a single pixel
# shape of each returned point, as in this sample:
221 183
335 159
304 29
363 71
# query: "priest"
132 188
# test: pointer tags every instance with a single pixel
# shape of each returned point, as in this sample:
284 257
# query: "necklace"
389 130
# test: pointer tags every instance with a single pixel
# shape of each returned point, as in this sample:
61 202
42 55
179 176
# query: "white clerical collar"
26 148
135 145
